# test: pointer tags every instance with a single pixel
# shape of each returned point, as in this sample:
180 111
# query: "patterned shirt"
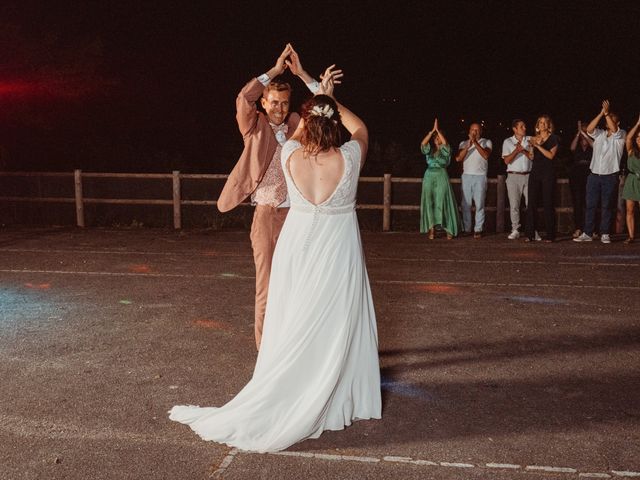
272 189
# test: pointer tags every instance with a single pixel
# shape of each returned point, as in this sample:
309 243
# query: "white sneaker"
583 238
538 237
604 238
514 235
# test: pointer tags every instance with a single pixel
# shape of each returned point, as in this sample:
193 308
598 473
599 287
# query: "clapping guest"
542 179
631 191
438 205
517 155
608 147
474 153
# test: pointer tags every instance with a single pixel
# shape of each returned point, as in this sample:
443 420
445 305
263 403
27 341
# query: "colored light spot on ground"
125 302
38 286
437 288
405 389
212 324
228 275
210 253
141 268
540 300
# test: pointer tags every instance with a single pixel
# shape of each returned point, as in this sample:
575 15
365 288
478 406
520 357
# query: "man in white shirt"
517 156
608 147
475 155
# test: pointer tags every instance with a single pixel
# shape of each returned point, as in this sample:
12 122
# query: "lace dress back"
344 193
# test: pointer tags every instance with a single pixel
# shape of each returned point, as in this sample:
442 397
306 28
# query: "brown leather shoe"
477 235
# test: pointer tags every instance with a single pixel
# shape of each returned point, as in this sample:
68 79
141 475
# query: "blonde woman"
542 179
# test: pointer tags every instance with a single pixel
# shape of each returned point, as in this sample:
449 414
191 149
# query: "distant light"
51 85
15 88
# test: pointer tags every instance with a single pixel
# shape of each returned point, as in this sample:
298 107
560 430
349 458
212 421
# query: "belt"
317 211
519 173
604 174
322 210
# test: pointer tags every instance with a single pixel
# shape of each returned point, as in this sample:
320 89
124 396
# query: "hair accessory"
325 111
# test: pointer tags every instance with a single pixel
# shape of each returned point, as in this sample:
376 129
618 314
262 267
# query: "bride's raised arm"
350 120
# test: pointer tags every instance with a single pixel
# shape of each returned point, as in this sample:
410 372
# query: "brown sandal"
628 241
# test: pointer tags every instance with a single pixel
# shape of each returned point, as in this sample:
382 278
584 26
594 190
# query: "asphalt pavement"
500 359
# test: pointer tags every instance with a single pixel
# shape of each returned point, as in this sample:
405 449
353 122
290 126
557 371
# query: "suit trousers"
265 229
474 189
517 187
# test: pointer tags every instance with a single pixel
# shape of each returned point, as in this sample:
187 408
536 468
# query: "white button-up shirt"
521 162
474 163
607 151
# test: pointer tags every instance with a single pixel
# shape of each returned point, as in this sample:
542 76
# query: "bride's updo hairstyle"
321 125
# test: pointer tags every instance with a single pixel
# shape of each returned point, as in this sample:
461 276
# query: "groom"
258 172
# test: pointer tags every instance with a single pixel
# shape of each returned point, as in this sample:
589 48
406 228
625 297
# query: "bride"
317 368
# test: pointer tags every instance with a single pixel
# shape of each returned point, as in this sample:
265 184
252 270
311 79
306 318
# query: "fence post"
77 178
177 213
386 203
500 194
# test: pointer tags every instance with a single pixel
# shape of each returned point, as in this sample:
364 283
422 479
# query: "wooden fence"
500 209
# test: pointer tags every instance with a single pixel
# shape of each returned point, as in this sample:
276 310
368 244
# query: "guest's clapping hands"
605 107
472 139
519 147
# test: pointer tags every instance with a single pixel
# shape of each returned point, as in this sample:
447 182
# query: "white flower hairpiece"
318 111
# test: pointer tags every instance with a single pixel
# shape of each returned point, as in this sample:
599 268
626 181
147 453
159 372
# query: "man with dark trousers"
608 147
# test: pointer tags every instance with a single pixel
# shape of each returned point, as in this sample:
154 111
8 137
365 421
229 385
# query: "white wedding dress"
317 368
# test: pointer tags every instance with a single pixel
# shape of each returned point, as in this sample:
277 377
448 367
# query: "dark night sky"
167 73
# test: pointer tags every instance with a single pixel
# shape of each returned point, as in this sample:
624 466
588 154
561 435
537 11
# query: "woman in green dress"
438 205
631 191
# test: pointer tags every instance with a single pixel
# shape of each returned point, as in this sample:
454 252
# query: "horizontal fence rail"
177 202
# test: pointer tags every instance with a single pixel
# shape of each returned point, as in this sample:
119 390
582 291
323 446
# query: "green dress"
631 190
438 204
